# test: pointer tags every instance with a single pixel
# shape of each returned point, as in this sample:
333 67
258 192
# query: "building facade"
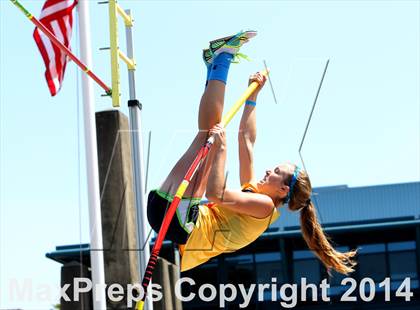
382 222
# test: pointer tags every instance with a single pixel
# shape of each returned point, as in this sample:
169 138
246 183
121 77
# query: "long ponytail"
313 234
319 243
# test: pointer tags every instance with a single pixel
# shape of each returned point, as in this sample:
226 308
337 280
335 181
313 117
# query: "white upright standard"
95 223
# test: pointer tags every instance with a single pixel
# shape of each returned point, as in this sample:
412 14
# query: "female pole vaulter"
234 218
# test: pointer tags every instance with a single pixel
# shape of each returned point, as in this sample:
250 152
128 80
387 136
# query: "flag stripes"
56 16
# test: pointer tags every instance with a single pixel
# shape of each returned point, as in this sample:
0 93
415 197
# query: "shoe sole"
249 35
243 37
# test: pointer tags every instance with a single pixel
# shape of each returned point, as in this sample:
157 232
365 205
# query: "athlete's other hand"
260 79
218 132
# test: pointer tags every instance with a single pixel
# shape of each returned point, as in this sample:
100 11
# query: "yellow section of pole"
115 70
27 14
251 88
181 189
140 305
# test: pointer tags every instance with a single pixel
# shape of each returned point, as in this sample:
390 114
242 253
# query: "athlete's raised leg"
210 113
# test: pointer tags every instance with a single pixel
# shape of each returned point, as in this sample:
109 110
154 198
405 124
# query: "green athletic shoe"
231 44
207 57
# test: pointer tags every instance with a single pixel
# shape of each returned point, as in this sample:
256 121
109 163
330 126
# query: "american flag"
56 15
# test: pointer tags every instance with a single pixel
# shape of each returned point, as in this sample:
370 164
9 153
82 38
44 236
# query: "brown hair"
312 231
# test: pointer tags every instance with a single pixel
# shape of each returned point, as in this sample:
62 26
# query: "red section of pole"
62 47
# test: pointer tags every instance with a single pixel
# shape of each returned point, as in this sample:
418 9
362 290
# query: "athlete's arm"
252 204
216 180
247 134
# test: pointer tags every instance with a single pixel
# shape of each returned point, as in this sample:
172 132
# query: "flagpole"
95 223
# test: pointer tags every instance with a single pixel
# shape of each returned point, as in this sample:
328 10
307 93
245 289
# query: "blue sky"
365 129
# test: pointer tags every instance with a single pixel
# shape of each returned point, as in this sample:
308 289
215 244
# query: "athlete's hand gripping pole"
201 155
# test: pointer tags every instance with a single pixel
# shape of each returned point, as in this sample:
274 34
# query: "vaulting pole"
202 153
95 222
62 47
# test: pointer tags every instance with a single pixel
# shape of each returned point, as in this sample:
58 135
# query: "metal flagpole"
134 107
96 245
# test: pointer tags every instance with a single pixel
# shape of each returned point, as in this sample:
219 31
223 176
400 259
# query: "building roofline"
345 186
346 228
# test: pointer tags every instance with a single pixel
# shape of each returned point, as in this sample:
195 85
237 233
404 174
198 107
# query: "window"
401 246
240 269
402 260
372 261
402 265
268 266
306 265
206 273
372 248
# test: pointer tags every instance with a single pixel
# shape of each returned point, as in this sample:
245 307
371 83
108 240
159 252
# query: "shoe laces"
237 58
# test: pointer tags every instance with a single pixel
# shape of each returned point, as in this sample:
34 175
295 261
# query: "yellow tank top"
220 230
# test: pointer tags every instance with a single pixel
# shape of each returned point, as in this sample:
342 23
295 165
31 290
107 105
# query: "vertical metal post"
286 260
134 107
417 228
95 222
